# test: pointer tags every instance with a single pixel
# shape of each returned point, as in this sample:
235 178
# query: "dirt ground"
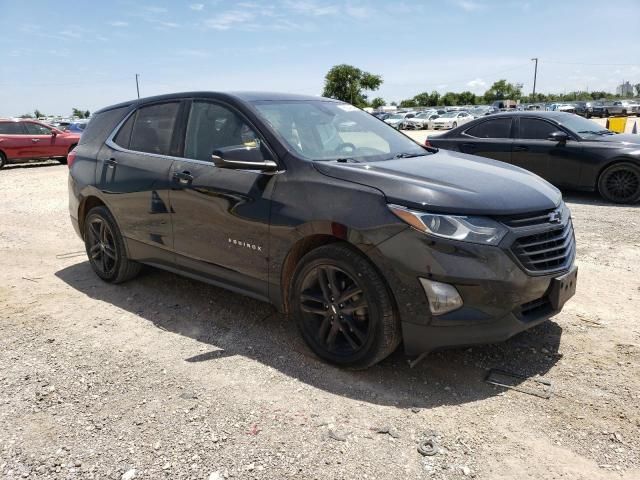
164 377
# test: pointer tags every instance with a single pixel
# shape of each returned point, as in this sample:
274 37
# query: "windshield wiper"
408 155
599 132
347 160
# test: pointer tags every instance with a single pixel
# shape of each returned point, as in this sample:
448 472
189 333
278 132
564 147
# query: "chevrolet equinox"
364 237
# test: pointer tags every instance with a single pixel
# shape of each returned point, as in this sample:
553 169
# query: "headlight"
472 229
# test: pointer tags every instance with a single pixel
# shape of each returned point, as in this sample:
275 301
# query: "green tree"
348 83
409 103
76 112
449 98
394 104
37 113
378 102
466 98
26 115
502 90
87 114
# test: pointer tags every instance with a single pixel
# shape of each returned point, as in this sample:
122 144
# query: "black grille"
547 251
526 219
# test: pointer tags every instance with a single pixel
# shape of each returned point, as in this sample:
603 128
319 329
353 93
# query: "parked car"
562 107
597 109
76 127
262 194
421 120
480 111
450 120
584 109
564 149
620 107
27 139
398 120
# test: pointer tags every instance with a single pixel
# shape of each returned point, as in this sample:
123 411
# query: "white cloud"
477 83
197 6
469 5
226 20
118 24
70 33
357 11
311 7
154 9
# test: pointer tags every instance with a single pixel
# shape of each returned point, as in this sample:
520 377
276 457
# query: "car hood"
623 138
451 182
443 120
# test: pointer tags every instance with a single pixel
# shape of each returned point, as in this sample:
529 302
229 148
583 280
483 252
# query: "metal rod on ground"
137 85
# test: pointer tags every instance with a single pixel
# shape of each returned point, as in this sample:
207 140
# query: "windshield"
425 114
397 116
581 125
322 130
449 115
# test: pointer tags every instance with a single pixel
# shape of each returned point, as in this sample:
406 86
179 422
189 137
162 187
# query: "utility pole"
535 75
137 85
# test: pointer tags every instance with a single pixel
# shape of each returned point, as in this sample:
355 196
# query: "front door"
134 177
555 162
14 141
43 143
221 216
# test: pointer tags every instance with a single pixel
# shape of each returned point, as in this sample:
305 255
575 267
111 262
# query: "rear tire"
105 247
3 160
343 307
620 183
455 124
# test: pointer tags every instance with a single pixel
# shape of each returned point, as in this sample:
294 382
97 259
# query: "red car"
26 139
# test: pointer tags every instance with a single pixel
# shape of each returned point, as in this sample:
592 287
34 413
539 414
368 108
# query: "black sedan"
565 149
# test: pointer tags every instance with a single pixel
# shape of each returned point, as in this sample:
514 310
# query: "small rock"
465 470
337 436
216 475
129 474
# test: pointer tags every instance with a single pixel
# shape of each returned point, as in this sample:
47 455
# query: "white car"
450 120
421 120
397 120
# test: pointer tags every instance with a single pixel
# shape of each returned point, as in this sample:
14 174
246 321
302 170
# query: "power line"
595 64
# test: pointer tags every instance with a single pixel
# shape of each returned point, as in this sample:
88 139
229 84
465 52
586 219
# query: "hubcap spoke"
351 308
324 284
110 252
349 294
315 310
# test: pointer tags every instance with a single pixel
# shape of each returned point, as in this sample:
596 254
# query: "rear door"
134 176
44 143
558 163
13 140
490 138
221 216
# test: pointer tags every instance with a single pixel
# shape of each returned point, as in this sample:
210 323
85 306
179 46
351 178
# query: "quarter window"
497 128
11 128
124 134
534 129
37 129
212 127
153 128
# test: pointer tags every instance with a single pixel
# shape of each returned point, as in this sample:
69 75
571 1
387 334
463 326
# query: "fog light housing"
443 298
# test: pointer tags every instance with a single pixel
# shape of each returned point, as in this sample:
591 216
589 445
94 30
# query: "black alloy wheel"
3 160
105 247
620 183
343 307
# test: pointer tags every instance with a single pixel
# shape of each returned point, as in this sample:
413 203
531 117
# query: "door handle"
520 148
111 163
183 178
35 140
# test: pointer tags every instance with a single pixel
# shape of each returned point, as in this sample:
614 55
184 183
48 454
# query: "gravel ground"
164 377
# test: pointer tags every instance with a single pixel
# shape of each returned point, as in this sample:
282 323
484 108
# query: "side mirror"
559 137
54 133
239 157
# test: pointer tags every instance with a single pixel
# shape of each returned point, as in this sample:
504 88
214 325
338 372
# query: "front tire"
105 247
620 183
3 160
343 307
455 124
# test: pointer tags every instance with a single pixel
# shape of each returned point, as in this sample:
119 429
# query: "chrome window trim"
111 144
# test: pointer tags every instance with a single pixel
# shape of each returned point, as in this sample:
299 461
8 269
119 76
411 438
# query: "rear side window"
497 128
11 128
101 125
124 134
534 129
153 128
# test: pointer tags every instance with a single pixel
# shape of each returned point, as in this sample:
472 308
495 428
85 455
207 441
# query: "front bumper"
500 298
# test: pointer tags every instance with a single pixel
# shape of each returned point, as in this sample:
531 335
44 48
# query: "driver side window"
213 127
37 129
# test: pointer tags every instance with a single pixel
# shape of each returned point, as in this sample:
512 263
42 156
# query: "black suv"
364 237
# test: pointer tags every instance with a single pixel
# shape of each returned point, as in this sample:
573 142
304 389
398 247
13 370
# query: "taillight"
427 144
71 157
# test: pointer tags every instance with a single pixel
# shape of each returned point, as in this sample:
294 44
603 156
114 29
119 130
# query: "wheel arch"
611 163
85 207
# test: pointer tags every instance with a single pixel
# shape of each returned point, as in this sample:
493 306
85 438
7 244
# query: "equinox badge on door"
251 246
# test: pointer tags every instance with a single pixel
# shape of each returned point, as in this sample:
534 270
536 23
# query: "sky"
58 55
